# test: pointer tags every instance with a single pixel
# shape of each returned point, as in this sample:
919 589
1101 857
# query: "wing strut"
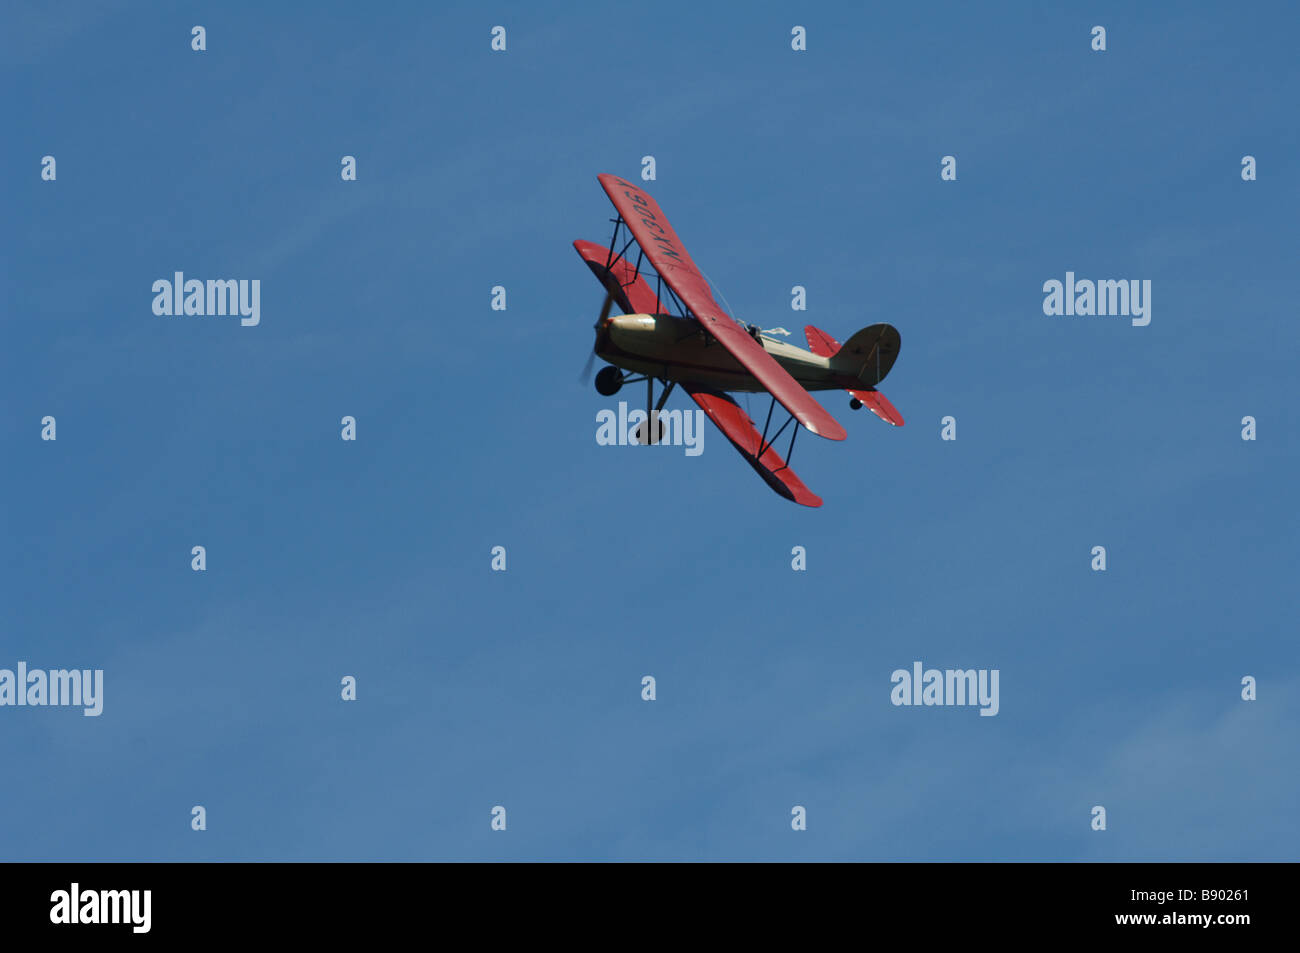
661 286
764 444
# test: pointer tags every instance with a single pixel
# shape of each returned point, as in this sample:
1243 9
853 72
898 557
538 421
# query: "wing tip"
839 433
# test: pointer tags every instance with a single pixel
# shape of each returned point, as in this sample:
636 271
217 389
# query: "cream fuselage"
677 349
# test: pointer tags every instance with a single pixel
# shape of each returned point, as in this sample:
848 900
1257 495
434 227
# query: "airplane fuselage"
678 349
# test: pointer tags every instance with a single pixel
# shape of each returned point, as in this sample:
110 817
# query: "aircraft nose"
632 322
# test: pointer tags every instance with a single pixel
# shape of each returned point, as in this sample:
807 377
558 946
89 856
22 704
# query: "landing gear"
656 433
855 404
609 380
651 430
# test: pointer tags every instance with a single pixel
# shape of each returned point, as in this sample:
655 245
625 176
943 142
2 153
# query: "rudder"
869 354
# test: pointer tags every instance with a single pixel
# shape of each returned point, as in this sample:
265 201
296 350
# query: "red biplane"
672 330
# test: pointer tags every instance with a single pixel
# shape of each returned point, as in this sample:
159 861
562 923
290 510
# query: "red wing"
744 436
633 293
820 343
649 226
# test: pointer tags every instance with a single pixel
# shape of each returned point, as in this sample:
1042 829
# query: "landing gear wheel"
657 435
855 404
609 380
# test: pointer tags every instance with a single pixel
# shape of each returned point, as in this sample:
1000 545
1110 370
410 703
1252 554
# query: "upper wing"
649 226
744 436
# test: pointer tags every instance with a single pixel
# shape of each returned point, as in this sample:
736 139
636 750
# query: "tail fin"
869 354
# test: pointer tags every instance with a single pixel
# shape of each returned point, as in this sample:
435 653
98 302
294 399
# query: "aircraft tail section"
869 354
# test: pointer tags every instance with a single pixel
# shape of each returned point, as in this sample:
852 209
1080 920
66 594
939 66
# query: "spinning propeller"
591 358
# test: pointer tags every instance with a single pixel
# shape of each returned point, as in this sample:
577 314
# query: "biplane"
673 331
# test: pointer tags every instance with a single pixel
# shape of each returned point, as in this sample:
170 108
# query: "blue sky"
522 688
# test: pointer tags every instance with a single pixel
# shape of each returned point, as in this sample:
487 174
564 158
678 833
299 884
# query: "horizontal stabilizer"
819 342
879 404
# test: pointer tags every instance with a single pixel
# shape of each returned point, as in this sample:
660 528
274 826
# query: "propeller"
591 358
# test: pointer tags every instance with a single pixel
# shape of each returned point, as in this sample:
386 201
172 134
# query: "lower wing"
744 436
